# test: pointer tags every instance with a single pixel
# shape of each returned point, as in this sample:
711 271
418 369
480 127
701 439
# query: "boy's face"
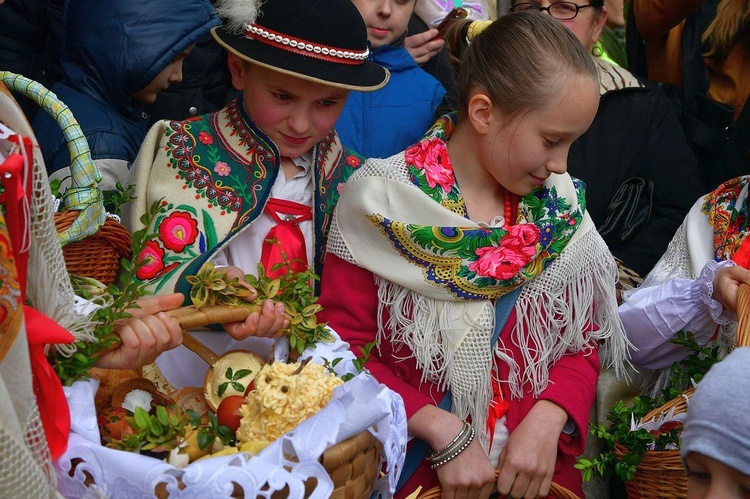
709 478
386 20
295 113
170 74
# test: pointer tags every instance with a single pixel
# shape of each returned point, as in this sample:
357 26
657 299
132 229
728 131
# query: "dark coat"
636 133
111 50
30 35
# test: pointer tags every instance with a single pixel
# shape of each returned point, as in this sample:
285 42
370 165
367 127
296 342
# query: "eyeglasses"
563 11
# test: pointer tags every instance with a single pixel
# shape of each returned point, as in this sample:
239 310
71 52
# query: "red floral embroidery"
205 138
353 161
178 230
515 251
152 260
432 156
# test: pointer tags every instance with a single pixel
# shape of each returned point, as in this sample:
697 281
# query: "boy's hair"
519 60
324 41
717 423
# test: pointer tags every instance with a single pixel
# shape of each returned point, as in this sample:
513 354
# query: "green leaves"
207 434
157 432
293 289
233 380
637 443
114 302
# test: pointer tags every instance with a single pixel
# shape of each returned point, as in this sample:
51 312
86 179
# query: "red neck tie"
285 242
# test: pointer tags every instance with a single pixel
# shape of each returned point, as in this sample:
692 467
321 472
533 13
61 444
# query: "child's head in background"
386 20
716 439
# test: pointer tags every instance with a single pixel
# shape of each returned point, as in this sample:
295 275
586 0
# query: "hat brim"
364 77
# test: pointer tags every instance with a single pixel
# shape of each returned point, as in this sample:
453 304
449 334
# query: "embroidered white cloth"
359 404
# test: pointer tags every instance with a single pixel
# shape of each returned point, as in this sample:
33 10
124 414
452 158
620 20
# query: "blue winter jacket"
381 123
110 50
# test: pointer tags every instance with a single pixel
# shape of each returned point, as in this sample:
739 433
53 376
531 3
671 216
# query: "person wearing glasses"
636 134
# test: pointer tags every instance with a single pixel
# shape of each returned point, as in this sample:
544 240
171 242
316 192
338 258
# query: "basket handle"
743 315
83 195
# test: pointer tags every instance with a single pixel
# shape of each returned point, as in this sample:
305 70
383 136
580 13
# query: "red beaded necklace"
510 203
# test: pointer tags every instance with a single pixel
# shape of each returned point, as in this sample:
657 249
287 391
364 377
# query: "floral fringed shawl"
404 219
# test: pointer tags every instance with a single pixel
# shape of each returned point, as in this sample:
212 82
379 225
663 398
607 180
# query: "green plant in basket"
162 431
622 417
113 303
293 289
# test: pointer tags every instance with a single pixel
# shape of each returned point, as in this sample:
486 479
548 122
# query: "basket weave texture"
353 465
555 490
97 256
661 475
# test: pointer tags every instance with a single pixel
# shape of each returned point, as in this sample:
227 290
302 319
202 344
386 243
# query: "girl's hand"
528 459
468 475
270 322
727 281
145 335
422 47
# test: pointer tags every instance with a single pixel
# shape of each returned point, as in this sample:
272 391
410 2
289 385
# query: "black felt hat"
319 40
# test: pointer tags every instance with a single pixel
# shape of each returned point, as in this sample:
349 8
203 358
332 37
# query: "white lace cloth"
359 404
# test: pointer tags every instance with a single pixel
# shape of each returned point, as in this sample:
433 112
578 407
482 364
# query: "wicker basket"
661 475
93 244
555 490
354 465
97 256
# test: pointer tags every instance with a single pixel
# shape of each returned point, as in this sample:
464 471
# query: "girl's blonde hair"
721 34
519 60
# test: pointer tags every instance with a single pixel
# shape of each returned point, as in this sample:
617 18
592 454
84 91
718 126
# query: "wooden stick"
205 353
191 317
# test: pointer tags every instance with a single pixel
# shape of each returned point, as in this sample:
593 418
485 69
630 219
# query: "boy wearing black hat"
269 164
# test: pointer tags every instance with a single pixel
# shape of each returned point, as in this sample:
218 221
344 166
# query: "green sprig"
114 302
293 289
637 443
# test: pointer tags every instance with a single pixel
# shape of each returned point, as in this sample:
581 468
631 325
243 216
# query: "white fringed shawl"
450 337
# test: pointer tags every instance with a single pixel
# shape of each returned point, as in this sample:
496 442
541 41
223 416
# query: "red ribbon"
742 256
285 242
53 406
14 170
498 408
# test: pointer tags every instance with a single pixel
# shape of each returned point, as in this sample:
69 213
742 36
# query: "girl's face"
712 479
296 114
587 25
521 152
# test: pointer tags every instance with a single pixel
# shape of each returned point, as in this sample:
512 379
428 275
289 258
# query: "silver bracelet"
459 450
437 455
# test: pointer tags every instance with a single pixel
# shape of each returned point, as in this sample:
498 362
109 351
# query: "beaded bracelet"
455 453
436 455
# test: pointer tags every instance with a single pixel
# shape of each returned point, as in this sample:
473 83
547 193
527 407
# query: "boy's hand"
145 335
422 47
727 281
270 322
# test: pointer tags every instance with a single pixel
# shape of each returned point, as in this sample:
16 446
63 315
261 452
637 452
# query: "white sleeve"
652 316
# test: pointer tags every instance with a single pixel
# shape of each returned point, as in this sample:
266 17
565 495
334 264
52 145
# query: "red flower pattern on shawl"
432 156
515 251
